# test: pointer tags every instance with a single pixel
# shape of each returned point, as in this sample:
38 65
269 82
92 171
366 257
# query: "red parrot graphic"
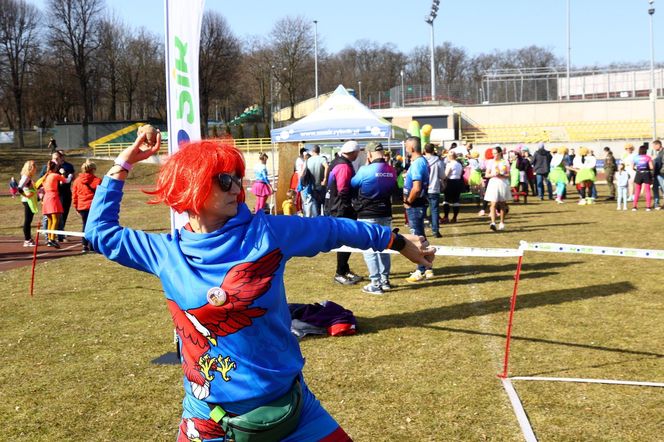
197 430
227 312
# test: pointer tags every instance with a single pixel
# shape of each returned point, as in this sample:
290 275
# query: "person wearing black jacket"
340 202
64 191
541 167
374 183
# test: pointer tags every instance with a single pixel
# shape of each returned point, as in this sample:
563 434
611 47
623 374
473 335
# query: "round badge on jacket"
216 296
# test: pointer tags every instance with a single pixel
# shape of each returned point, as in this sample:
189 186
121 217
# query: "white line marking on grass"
521 416
589 381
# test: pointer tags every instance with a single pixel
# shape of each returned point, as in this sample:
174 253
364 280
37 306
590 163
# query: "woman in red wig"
223 278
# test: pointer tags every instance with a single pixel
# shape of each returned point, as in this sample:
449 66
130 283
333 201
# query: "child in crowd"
622 178
13 187
261 187
288 206
83 190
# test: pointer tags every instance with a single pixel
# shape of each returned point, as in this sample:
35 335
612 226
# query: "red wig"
488 154
185 180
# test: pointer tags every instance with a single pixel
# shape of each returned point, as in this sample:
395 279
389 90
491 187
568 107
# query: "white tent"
341 117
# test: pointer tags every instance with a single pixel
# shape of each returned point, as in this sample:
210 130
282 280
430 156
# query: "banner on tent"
183 33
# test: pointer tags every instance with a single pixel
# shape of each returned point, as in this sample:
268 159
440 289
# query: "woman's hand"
418 250
134 153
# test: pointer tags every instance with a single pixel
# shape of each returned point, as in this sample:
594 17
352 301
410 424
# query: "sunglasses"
226 181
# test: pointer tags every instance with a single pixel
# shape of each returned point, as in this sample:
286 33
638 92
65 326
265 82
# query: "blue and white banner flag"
183 34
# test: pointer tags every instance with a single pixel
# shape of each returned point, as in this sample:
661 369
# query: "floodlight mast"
435 4
653 89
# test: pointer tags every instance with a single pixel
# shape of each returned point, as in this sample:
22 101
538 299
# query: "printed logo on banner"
184 98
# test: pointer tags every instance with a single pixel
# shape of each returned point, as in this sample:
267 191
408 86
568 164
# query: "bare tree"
112 37
219 62
19 46
293 52
451 65
72 25
151 81
255 84
376 66
54 93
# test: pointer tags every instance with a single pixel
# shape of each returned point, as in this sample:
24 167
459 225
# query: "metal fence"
551 84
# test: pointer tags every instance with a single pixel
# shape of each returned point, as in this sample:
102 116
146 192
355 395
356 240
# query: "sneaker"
28 243
453 220
353 277
647 209
437 235
55 244
633 209
624 208
385 286
492 226
559 200
428 273
501 226
618 208
582 202
372 289
416 276
341 279
658 208
445 220
481 213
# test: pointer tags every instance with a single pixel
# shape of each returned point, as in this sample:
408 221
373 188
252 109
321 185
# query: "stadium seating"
582 131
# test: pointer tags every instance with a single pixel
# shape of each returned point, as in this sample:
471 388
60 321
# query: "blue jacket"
375 183
225 292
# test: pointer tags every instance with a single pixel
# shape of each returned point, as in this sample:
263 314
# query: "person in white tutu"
498 191
261 186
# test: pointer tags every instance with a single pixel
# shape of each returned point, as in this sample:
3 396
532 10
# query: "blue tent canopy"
342 116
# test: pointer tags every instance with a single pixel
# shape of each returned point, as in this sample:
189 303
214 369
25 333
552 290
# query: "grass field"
76 358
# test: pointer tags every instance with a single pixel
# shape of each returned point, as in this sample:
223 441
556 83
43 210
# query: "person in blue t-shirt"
223 279
375 182
415 198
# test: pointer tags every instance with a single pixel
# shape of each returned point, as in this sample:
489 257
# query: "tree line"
77 62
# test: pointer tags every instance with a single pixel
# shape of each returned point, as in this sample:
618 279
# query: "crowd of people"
56 189
430 176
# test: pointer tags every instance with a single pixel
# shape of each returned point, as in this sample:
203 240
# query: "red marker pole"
34 262
517 276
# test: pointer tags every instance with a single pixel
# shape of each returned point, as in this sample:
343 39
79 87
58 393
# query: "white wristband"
125 165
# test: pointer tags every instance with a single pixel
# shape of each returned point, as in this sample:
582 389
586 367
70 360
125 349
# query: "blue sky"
603 31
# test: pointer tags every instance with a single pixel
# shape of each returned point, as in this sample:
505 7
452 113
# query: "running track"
14 255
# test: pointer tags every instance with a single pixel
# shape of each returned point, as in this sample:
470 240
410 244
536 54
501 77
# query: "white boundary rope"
589 381
61 232
481 252
521 415
591 250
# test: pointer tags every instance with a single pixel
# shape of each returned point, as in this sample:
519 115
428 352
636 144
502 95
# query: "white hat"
350 147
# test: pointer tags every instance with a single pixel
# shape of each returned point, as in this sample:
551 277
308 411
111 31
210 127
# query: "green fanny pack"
271 422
